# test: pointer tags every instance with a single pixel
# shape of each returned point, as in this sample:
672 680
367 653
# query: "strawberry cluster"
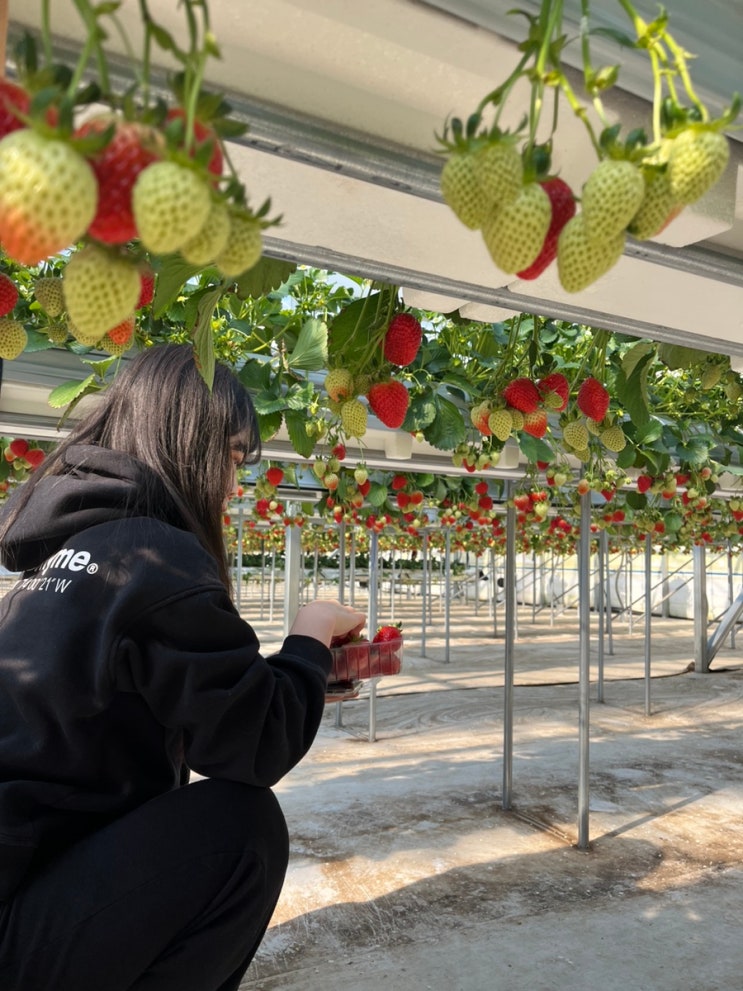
108 192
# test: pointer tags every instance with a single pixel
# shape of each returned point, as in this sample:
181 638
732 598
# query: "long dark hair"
160 411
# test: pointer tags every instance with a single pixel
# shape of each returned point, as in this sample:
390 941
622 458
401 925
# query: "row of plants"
96 259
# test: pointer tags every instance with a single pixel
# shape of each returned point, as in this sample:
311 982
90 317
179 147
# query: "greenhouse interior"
481 272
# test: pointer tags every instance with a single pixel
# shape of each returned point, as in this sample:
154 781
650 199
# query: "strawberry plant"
494 181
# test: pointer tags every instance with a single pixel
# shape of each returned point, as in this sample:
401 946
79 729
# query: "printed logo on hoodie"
67 559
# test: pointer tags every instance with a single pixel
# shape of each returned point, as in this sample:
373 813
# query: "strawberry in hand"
386 633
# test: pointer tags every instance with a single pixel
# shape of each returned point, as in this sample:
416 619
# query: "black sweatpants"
174 896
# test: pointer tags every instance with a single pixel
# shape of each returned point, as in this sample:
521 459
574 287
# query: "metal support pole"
701 658
508 667
292 574
584 702
447 595
352 569
424 592
342 562
372 625
731 593
648 617
600 614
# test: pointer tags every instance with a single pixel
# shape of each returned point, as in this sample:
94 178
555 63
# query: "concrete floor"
407 872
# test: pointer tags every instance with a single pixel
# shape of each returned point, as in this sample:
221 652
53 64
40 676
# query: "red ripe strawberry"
555 391
535 423
386 633
275 476
18 447
389 402
122 332
147 290
593 399
8 294
562 202
202 133
130 150
403 339
522 394
644 483
34 456
399 482
15 100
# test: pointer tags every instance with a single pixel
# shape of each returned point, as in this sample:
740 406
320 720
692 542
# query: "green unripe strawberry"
461 190
353 418
613 438
575 434
711 375
101 288
48 196
612 195
13 338
57 333
170 204
339 384
515 233
49 294
499 173
697 159
580 262
244 245
500 422
211 239
657 208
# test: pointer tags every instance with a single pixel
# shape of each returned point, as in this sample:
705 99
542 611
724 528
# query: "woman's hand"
324 619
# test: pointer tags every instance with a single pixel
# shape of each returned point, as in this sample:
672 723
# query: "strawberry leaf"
296 423
448 428
311 350
67 391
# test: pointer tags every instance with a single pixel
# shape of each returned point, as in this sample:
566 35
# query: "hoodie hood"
96 486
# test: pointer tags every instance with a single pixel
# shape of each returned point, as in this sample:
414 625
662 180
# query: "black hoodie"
123 663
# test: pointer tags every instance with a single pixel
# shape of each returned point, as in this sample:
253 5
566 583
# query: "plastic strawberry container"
364 660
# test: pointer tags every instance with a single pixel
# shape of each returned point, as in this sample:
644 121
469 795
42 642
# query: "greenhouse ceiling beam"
322 257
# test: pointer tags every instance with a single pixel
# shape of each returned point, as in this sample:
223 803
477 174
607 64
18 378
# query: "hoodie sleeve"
198 666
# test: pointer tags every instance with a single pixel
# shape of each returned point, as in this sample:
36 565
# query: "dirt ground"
407 870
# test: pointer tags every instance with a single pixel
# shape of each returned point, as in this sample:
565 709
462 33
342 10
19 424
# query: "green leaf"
265 275
357 320
649 432
534 448
67 391
636 354
269 424
626 457
37 341
172 274
377 495
694 451
632 391
255 374
267 403
296 424
421 412
204 336
447 430
311 350
678 356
